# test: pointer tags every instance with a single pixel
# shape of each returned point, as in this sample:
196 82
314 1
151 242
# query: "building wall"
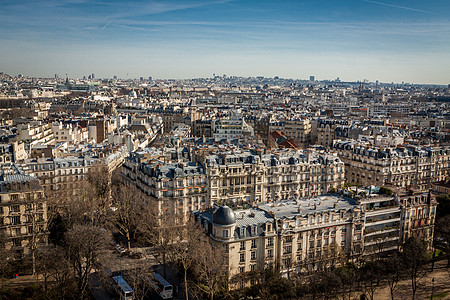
23 214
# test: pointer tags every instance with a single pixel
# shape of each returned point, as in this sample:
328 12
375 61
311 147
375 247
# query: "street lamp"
432 288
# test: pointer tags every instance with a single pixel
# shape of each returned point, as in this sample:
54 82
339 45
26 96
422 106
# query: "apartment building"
248 236
35 133
178 188
300 173
23 211
402 166
237 175
308 234
69 171
68 132
230 129
297 129
418 216
12 152
326 131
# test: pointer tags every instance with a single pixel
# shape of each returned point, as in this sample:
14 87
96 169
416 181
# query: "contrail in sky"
396 6
106 25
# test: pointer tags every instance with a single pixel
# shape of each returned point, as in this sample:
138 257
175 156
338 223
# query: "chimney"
335 204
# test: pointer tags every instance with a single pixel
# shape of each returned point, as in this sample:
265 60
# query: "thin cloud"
398 6
105 26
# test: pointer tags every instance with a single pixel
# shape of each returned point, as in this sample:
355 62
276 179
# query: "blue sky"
386 40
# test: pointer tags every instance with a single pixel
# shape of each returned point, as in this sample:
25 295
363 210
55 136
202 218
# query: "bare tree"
5 255
162 231
186 250
127 218
442 236
37 228
414 257
393 271
210 268
99 179
54 267
83 246
370 274
140 281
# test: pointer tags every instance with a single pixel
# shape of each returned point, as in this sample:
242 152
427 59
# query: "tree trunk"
33 259
185 285
128 242
164 265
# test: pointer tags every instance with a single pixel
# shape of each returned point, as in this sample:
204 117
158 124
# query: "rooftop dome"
224 216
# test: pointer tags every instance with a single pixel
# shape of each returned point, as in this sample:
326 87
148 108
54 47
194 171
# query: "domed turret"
224 216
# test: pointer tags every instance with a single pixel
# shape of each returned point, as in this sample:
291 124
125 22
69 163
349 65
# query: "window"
15 220
241 269
242 246
252 267
287 262
287 250
270 242
14 208
253 243
270 253
242 257
225 233
253 255
253 229
242 231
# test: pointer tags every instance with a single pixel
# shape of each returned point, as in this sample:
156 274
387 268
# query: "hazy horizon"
389 41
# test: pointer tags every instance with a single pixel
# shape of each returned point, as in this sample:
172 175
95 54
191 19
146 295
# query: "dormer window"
253 229
242 232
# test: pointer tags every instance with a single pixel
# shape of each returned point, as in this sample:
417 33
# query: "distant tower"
150 78
312 78
115 77
56 76
93 76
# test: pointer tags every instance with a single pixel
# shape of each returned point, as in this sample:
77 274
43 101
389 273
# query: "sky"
386 40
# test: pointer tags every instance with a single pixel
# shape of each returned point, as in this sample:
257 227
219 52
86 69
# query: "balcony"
378 222
381 241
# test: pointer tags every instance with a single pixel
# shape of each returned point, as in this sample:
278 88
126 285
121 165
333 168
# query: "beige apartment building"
234 176
304 235
297 129
402 166
23 212
179 188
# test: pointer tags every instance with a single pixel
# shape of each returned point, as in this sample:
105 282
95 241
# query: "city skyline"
389 41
